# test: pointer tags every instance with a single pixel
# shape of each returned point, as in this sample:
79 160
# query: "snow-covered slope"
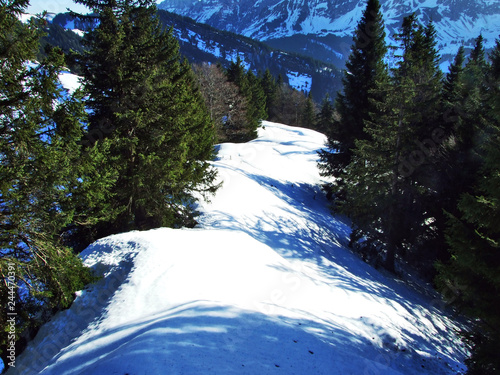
264 285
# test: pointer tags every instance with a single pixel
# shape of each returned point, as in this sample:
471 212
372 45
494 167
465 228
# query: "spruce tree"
145 99
48 183
453 89
378 194
257 110
420 64
255 101
308 117
269 87
325 118
473 235
390 177
463 121
364 69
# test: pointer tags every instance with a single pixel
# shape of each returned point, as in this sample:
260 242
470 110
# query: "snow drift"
263 285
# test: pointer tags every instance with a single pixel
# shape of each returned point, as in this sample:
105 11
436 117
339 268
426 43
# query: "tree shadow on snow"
200 338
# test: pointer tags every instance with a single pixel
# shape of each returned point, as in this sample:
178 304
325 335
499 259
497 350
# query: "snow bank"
263 285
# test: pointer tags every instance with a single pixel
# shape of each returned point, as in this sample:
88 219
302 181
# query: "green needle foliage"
353 105
472 275
144 99
48 183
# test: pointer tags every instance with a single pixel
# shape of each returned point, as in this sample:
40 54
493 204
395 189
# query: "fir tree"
364 69
463 121
308 118
495 62
144 98
252 91
257 100
269 87
453 87
325 118
478 55
378 194
455 169
420 63
473 235
236 73
47 182
390 177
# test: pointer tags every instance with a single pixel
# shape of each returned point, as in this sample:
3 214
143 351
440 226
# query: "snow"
264 284
70 82
299 81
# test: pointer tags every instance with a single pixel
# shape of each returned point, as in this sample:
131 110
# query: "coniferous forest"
416 159
414 154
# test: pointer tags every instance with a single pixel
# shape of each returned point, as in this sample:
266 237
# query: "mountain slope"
202 43
263 285
324 28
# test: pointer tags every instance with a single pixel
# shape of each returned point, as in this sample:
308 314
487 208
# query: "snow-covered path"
264 285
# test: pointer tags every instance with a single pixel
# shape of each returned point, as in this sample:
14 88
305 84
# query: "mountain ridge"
330 22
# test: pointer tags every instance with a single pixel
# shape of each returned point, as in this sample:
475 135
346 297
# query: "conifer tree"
325 118
364 69
47 182
308 119
463 121
325 123
269 87
453 87
470 276
236 73
455 164
420 63
252 91
474 239
391 173
378 194
257 99
144 98
475 73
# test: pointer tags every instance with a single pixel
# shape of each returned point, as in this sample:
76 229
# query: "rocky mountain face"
323 28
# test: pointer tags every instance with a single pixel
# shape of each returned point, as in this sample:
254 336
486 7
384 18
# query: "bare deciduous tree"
224 102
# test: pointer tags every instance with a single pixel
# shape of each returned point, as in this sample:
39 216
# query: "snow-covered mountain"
264 285
324 28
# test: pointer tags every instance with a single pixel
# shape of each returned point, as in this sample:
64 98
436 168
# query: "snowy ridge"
263 285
